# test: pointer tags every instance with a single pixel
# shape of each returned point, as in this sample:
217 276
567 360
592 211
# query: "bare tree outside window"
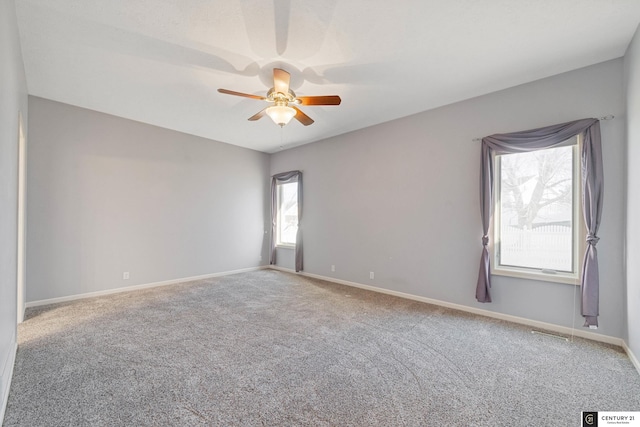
536 208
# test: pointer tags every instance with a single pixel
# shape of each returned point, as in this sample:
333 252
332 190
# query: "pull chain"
281 137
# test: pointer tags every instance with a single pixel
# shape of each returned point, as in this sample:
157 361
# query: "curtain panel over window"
285 178
592 192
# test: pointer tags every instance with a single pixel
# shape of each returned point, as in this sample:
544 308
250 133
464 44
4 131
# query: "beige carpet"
268 348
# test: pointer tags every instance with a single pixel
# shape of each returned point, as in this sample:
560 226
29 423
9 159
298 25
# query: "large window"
537 225
287 214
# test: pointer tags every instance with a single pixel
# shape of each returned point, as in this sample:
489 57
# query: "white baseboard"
632 356
507 317
138 287
6 375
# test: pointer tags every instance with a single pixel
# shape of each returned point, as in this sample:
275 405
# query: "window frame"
279 191
579 228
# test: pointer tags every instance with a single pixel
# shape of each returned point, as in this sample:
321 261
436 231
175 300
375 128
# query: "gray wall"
108 195
401 199
13 98
632 80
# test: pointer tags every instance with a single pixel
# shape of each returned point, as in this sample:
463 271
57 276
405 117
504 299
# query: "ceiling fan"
285 101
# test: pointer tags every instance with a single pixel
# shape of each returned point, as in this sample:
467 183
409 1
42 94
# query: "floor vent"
546 334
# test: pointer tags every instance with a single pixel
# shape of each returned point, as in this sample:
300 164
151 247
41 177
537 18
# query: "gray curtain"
592 188
284 178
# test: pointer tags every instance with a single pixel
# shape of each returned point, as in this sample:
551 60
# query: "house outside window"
538 230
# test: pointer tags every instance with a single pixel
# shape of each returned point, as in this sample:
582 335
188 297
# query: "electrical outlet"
333 267
125 275
371 275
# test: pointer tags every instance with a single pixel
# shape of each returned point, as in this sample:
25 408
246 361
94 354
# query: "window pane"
287 226
536 209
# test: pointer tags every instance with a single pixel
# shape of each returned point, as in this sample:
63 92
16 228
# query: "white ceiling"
161 61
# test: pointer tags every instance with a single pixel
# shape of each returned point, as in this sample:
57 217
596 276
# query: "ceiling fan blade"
257 116
302 117
281 81
320 100
246 95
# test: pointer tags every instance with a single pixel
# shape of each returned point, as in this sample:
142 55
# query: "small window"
287 215
537 226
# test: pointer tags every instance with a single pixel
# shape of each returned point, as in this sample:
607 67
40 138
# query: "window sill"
280 246
567 278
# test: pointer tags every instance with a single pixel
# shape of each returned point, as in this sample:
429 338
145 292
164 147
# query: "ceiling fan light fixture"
281 114
284 101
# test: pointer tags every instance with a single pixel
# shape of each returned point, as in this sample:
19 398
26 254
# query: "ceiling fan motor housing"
276 97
